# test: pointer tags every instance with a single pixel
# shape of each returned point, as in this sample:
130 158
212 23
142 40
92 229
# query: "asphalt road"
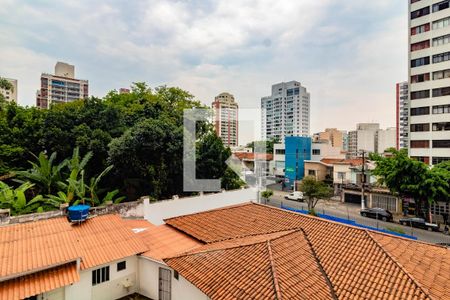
351 211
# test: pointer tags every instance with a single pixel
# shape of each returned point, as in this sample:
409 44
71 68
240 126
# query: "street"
351 212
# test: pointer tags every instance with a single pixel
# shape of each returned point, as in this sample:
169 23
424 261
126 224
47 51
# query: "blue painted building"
298 149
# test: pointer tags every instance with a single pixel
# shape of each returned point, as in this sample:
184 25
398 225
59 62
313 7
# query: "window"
441 92
441 109
121 266
420 127
441 57
439 41
441 126
420 78
441 5
441 23
100 275
420 144
420 94
421 45
420 12
437 160
280 151
176 275
441 144
423 159
414 1
315 151
420 62
420 29
441 74
165 289
311 172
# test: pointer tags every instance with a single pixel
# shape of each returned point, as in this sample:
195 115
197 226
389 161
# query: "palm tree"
44 173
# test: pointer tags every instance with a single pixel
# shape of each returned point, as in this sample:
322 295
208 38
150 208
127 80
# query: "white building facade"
386 139
286 112
61 87
429 80
10 95
402 115
363 138
225 119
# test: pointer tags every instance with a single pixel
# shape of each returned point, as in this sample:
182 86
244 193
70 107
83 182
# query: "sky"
348 54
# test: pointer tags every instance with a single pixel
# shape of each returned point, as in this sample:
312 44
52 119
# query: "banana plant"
110 196
44 173
93 185
16 201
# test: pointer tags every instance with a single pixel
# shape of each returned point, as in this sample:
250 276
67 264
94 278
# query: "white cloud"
348 54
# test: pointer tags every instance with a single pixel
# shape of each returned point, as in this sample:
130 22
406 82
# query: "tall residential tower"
429 80
61 87
10 95
226 119
286 112
402 115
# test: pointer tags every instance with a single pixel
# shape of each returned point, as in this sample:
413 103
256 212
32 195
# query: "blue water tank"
78 213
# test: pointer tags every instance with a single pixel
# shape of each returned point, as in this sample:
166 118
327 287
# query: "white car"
296 196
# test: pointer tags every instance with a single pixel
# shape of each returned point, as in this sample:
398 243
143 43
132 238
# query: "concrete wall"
149 282
156 212
326 151
112 289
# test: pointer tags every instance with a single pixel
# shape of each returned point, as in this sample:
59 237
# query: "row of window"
103 274
438 24
437 110
426 144
426 76
439 92
440 126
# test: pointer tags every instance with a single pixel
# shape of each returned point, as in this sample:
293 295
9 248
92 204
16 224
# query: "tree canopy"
137 137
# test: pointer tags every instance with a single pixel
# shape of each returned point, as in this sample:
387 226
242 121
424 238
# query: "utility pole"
363 179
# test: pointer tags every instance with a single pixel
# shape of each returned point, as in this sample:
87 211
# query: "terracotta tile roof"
26 250
40 282
137 225
358 263
165 241
341 161
272 266
430 265
104 239
251 156
35 245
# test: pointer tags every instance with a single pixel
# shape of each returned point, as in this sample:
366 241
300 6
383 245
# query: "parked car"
377 213
296 196
419 223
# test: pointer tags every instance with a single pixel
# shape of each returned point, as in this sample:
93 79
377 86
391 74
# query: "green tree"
314 191
45 173
15 199
266 195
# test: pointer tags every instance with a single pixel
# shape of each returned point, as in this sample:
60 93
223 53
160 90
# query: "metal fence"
350 218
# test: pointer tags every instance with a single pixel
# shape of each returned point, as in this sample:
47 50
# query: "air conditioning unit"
127 283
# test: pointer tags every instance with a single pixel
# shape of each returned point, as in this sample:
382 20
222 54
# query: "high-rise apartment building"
363 138
333 136
226 122
402 115
286 112
429 80
10 95
386 139
61 87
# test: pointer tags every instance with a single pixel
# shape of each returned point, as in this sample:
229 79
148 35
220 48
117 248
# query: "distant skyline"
349 54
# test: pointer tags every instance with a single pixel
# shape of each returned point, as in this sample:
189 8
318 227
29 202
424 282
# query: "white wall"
156 212
386 139
149 282
112 289
366 140
326 151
